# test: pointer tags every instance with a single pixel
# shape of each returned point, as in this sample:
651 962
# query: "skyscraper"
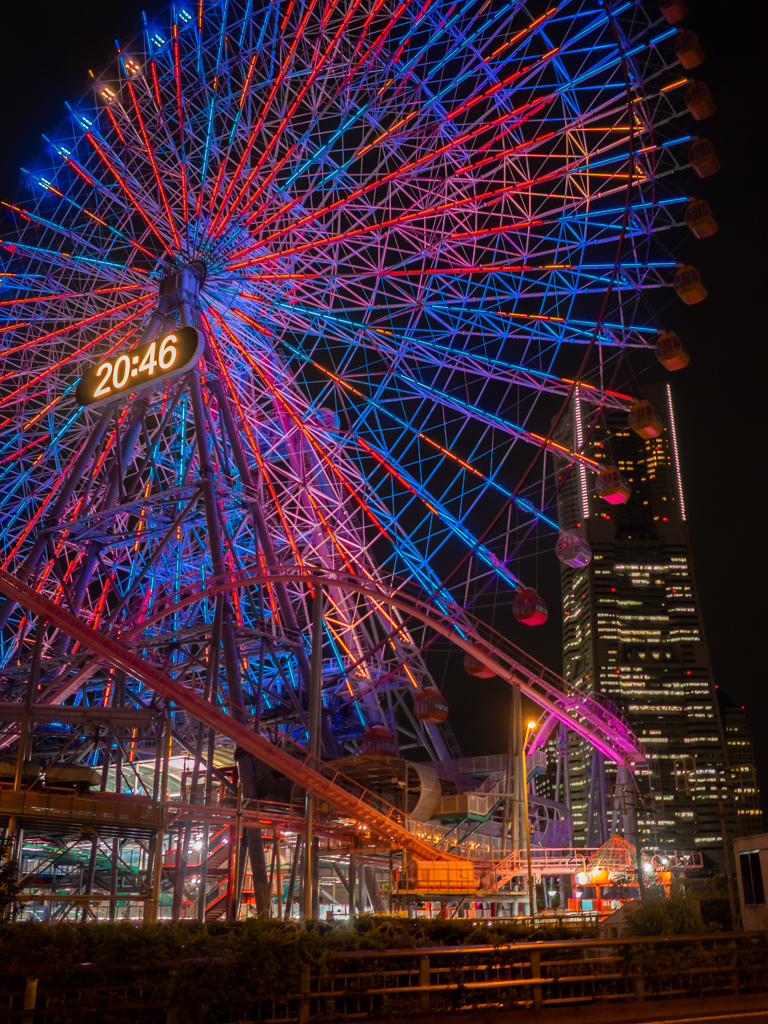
741 759
633 633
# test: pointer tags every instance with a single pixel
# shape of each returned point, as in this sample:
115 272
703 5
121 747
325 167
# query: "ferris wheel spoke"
292 415
453 525
511 119
592 394
242 260
8 350
485 95
8 398
66 262
518 149
151 155
215 225
361 110
57 297
253 444
81 208
123 185
466 408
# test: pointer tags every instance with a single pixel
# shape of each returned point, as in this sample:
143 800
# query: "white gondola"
572 549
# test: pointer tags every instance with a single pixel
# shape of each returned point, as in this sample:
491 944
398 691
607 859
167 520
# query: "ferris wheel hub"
184 282
198 270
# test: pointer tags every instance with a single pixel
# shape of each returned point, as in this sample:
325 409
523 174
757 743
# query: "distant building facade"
632 632
741 759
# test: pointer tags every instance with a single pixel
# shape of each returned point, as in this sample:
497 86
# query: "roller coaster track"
350 799
596 720
596 723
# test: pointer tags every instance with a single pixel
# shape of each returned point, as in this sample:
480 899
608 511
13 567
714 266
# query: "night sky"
45 52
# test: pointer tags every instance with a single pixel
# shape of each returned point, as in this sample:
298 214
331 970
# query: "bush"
657 914
9 869
60 948
215 971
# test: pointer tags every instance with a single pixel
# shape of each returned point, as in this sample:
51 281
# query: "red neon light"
118 178
71 356
156 86
70 295
79 170
115 125
21 451
257 127
249 433
69 327
151 155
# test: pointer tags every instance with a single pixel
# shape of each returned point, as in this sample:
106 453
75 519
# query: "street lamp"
531 891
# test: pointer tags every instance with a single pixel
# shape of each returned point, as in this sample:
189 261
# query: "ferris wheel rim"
420 460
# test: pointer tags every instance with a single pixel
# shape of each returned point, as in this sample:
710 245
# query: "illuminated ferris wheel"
396 235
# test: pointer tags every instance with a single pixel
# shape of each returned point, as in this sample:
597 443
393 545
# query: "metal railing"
535 974
402 982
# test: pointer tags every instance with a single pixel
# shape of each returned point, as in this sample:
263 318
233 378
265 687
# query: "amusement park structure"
293 304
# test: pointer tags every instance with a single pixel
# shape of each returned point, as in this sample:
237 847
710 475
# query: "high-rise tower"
741 759
633 632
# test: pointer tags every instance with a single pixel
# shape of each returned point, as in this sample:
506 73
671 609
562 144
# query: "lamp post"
531 890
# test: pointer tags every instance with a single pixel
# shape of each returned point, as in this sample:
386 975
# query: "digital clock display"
124 374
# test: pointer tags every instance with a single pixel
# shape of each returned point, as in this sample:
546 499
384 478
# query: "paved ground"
748 1009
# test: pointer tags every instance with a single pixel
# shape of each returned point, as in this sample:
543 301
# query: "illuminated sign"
132 371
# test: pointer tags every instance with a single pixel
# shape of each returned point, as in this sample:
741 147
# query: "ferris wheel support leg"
38 545
311 876
121 462
328 742
247 764
157 316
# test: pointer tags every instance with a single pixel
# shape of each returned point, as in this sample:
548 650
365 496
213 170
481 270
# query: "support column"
352 886
315 878
90 874
185 833
247 763
13 834
362 892
626 811
204 849
390 903
279 878
157 860
514 828
311 895
292 880
597 811
239 853
377 904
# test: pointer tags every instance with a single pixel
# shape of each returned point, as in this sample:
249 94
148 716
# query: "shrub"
657 914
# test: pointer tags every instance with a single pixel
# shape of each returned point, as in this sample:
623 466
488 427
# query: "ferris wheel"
400 233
